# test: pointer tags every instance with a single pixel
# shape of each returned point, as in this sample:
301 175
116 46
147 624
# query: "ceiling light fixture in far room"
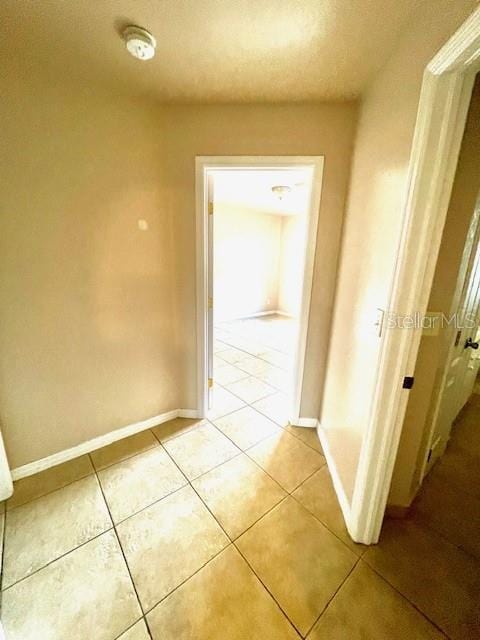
280 190
139 42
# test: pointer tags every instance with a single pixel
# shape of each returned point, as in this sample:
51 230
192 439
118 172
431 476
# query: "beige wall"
323 129
87 337
247 253
258 262
291 264
432 356
98 329
373 221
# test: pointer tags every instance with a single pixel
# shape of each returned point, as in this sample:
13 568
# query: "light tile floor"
229 529
254 357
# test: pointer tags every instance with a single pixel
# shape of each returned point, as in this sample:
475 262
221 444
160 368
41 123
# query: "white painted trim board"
100 441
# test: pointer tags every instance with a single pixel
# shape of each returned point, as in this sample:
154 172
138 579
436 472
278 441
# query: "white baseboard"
258 314
335 476
96 443
188 413
309 423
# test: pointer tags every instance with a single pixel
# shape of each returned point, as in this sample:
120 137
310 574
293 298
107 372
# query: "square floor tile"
137 632
251 347
238 493
443 508
233 356
254 366
278 378
437 577
286 459
250 389
176 427
223 402
167 542
318 496
228 373
276 407
85 594
223 601
218 346
44 529
217 361
54 478
131 485
277 358
367 607
308 435
200 450
123 449
300 562
246 427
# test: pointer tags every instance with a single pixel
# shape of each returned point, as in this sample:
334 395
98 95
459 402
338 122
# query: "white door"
473 365
210 319
463 361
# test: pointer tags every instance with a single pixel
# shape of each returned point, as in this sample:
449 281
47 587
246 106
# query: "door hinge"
408 382
210 208
210 302
210 383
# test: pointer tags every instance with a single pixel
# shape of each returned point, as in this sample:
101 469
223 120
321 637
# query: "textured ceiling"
208 50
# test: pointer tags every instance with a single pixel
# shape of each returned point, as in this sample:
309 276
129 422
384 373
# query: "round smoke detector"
139 42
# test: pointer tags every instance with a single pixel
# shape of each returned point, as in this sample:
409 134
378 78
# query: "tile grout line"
130 627
252 355
289 493
47 493
397 590
128 457
425 525
232 542
333 596
115 524
120 545
251 405
284 613
63 555
245 452
253 375
163 598
188 482
198 495
274 391
321 521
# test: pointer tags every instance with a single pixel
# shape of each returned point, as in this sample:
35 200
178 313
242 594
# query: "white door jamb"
204 164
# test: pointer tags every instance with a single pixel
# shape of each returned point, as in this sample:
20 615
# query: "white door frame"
206 164
444 101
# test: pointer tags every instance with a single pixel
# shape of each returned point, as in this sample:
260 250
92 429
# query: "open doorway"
258 224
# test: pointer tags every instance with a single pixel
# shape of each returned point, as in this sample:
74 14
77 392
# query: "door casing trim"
204 164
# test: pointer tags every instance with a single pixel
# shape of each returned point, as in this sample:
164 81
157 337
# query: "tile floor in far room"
229 529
